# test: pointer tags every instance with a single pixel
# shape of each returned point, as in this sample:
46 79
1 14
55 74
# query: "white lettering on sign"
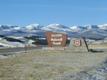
56 35
56 43
55 39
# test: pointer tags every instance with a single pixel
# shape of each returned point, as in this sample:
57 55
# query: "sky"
44 12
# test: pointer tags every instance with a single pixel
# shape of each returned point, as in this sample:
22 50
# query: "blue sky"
44 12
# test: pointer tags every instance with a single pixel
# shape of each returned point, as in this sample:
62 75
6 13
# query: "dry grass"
98 46
47 65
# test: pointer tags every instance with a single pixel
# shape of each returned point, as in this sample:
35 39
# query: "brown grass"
46 65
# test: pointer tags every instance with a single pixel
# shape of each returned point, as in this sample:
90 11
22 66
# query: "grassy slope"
46 65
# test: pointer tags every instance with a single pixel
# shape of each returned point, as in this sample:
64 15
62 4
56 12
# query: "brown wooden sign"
56 39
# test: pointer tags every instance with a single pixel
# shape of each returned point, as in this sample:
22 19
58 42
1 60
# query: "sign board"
56 39
77 42
77 45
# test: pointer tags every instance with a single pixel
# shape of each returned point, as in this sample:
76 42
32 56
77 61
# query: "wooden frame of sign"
56 39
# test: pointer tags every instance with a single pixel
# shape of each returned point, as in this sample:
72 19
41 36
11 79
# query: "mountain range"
88 31
95 32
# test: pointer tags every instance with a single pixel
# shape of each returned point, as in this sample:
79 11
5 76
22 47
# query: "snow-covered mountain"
9 30
7 27
88 31
28 27
9 34
33 27
104 26
78 28
56 28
